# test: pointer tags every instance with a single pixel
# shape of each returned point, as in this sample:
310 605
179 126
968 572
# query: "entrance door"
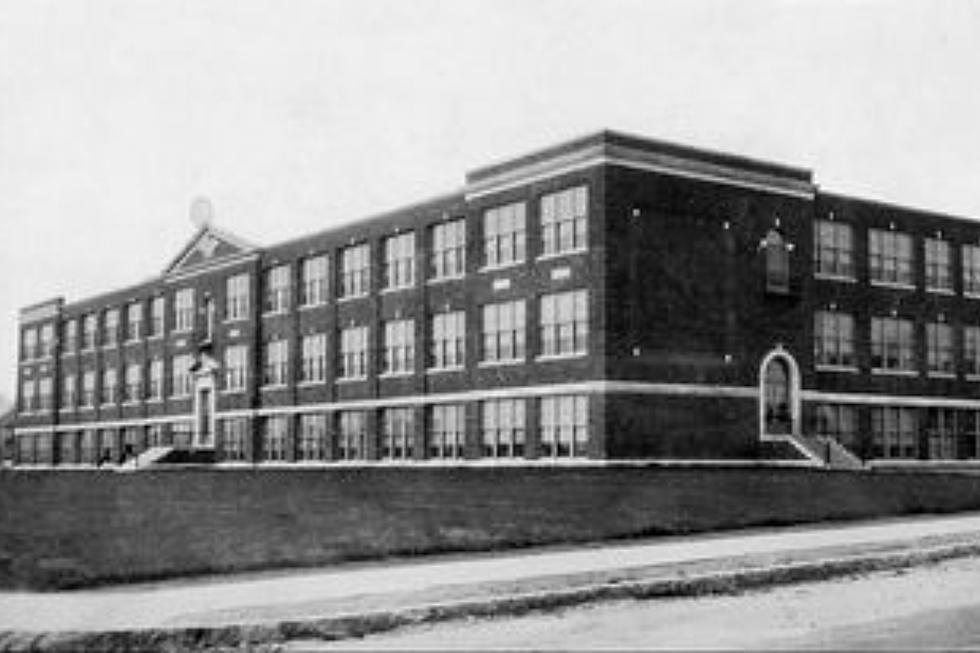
778 398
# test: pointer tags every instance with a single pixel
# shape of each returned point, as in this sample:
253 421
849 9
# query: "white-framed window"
313 437
155 389
313 273
565 221
399 347
941 432
939 265
275 362
565 323
274 429
88 388
314 358
564 426
184 310
971 350
353 352
158 307
838 421
399 261
110 327
237 293
971 269
504 331
894 432
181 381
833 252
448 257
110 385
397 430
939 348
29 344
134 383
505 235
503 428
352 435
355 266
890 257
45 392
892 344
276 289
90 327
448 344
47 340
234 438
28 396
69 391
70 344
833 339
236 367
134 321
447 430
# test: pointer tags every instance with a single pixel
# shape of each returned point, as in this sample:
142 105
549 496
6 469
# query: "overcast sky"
292 116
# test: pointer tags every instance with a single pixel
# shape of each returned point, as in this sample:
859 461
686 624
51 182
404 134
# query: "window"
28 401
941 433
88 388
45 393
890 257
132 441
89 327
110 327
939 266
69 391
236 367
274 438
155 389
893 433
275 362
71 336
777 263
564 221
838 421
181 382
503 331
448 258
134 383
234 438
90 447
892 344
939 348
355 276
134 321
503 428
399 261
312 437
157 308
397 428
314 358
971 269
564 426
565 323
68 448
352 440
833 254
184 310
833 339
504 235
971 350
236 297
155 436
110 386
276 289
29 344
313 281
47 340
447 430
353 352
399 347
181 434
448 347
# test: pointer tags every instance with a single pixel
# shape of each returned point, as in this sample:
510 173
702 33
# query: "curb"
268 635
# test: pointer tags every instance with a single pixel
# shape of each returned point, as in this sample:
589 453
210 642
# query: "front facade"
609 298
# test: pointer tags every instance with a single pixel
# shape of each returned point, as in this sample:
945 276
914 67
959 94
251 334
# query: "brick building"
612 297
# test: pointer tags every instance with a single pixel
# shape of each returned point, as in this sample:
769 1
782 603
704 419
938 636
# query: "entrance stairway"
151 456
825 451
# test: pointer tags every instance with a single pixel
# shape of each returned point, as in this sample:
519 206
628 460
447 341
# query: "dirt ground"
926 607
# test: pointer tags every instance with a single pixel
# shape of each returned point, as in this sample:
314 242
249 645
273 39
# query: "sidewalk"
436 587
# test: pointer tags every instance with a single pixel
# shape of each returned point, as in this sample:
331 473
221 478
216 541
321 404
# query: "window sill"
396 289
941 375
311 384
839 278
567 252
971 295
502 363
846 369
351 298
154 400
179 397
501 267
272 387
446 370
156 336
397 375
885 372
309 307
437 280
131 404
894 285
350 379
231 391
972 377
234 320
271 314
544 358
180 332
133 341
948 292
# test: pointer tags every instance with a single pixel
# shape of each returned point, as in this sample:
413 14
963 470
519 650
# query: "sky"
294 116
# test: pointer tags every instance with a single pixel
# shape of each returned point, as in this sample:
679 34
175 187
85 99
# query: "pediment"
208 246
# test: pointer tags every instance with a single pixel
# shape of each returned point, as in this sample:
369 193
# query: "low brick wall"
67 529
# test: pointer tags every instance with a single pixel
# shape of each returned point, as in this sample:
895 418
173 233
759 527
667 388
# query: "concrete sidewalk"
436 587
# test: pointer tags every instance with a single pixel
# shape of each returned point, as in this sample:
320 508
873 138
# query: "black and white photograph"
525 325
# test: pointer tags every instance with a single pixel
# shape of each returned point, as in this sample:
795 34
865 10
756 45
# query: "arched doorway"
779 395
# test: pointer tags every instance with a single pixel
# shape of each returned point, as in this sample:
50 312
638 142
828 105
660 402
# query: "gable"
208 246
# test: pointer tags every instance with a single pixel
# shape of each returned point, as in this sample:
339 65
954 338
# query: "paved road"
925 608
327 592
